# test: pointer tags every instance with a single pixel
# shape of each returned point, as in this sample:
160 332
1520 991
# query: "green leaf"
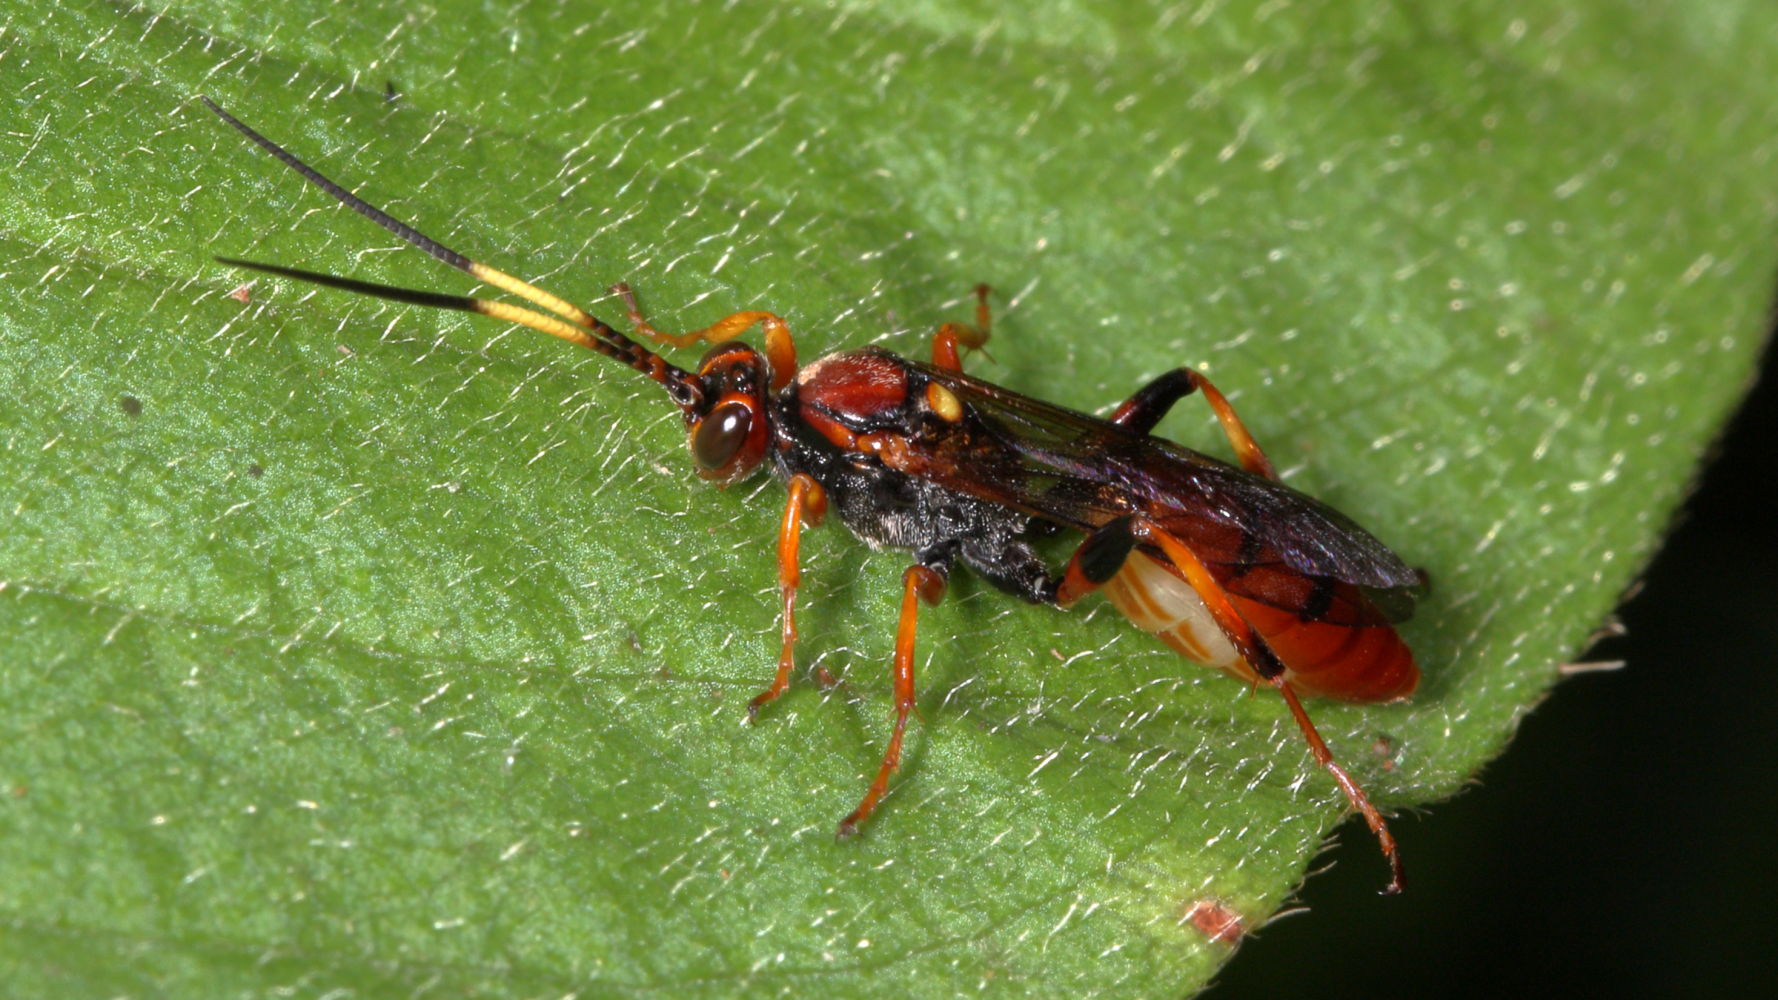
358 648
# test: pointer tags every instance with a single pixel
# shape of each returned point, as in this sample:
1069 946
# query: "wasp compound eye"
720 435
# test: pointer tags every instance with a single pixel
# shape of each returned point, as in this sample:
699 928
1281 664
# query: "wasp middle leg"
951 336
920 582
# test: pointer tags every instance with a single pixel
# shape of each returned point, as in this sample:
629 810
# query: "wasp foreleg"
780 347
807 504
918 583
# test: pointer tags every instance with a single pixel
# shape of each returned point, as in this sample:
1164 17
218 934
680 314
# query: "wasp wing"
1260 538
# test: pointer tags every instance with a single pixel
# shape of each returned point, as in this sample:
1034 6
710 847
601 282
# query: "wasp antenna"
481 272
582 327
677 380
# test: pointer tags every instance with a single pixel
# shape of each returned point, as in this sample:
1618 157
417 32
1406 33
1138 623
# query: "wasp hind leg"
921 582
1142 411
1096 560
1259 656
1102 554
952 336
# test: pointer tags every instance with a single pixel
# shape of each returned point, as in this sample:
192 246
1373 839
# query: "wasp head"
726 412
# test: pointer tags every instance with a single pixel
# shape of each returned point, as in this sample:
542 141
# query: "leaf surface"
357 647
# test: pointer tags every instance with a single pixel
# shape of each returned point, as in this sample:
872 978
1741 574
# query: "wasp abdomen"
1160 602
1367 663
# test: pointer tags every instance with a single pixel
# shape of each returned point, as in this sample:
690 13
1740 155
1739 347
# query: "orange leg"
919 583
1266 664
1102 554
1145 409
807 503
951 336
1096 561
780 348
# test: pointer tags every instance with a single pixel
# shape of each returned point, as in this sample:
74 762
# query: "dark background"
1623 846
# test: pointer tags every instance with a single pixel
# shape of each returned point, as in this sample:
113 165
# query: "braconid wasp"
1223 562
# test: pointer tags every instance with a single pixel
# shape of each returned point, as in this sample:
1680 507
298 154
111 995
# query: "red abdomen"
1329 659
1347 662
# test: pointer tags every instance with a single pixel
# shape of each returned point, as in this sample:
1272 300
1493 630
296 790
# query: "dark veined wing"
1068 467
